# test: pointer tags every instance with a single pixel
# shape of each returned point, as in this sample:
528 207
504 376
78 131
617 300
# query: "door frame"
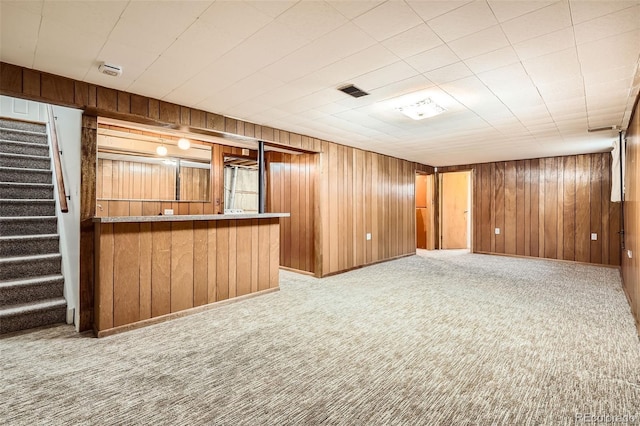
471 206
432 234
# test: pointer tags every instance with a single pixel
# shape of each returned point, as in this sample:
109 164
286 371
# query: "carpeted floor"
441 338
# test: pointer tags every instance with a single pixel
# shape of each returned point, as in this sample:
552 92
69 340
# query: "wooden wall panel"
547 207
290 190
631 265
187 258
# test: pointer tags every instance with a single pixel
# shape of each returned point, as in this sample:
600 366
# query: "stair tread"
29 237
35 144
27 132
25 169
27 218
30 257
27 200
29 184
38 157
38 305
31 280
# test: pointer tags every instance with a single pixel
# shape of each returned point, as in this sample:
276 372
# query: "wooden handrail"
62 196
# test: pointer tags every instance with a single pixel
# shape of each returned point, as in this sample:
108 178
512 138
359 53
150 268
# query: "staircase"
31 283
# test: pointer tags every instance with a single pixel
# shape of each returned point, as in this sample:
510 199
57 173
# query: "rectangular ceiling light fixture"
422 109
352 90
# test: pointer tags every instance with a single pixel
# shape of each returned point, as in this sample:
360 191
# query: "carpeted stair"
31 283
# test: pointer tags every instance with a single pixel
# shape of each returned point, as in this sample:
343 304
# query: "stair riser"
21 125
21 247
37 291
10 135
24 149
25 162
26 193
28 227
33 319
24 176
27 209
29 268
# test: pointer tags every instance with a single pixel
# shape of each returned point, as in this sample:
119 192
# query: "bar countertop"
180 218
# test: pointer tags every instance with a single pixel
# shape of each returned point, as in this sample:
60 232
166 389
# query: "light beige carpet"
441 338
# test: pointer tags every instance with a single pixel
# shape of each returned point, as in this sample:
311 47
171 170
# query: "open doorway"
455 210
425 212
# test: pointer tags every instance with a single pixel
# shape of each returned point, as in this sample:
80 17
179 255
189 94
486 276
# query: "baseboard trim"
518 256
180 314
367 264
297 271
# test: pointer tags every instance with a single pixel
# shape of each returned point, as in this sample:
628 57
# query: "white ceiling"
519 79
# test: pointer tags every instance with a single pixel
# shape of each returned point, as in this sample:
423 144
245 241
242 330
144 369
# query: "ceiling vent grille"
352 90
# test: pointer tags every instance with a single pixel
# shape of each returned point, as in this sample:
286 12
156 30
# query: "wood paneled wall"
146 270
631 266
194 184
130 180
124 180
363 192
356 191
547 207
291 181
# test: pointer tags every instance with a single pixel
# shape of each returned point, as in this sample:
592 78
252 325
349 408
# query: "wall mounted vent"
352 90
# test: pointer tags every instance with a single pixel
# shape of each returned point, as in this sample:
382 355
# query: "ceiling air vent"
353 91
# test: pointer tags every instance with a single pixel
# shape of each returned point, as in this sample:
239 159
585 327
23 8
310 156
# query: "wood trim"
573 262
174 315
370 264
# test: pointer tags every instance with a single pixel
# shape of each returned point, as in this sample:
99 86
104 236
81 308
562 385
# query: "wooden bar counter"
153 268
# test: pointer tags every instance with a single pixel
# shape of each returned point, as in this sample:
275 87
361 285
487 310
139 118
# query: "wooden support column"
87 212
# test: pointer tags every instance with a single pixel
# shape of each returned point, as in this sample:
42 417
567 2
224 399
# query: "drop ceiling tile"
557 66
195 45
268 45
344 70
248 88
562 89
387 20
18 34
535 24
413 41
164 73
465 20
62 50
311 19
327 49
449 73
132 60
353 8
478 43
235 18
392 73
153 26
585 10
33 6
624 72
434 8
610 53
273 8
87 17
433 59
492 60
506 10
608 25
543 45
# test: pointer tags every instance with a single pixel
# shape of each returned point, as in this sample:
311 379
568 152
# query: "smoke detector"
109 69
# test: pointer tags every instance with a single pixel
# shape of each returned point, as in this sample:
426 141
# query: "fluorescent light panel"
422 109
